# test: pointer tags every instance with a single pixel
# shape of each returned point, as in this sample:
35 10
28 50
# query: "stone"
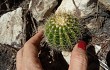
106 3
66 56
78 8
11 28
41 8
95 23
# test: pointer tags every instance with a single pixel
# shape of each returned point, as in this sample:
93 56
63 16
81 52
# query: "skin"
78 59
27 57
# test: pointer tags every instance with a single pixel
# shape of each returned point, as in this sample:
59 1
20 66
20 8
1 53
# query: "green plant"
62 31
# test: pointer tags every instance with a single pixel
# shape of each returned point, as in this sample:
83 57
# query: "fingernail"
82 45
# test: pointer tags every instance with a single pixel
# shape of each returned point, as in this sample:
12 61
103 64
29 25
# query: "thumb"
78 57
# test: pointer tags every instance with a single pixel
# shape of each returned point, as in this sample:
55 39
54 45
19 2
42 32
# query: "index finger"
35 40
31 47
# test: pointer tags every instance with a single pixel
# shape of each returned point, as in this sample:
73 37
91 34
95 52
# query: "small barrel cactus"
62 31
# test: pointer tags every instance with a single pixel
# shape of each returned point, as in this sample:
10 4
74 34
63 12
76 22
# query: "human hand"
78 57
27 57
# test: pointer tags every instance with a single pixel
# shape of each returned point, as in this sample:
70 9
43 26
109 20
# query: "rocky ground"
7 57
19 20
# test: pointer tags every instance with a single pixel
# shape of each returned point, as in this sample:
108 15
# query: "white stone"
97 48
67 56
69 7
11 28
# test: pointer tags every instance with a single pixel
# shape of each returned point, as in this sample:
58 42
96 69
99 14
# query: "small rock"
40 8
78 8
97 48
11 28
95 23
67 56
106 3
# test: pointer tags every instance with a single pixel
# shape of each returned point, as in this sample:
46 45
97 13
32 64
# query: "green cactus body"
62 31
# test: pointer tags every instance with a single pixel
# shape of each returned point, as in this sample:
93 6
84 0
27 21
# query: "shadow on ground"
93 62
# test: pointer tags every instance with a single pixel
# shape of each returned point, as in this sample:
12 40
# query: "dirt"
7 57
9 5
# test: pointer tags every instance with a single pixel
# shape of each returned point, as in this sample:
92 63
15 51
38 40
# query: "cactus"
62 31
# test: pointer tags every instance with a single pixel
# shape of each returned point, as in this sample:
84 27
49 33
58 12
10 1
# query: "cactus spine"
62 31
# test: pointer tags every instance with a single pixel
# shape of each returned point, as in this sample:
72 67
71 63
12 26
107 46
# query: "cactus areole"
62 31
